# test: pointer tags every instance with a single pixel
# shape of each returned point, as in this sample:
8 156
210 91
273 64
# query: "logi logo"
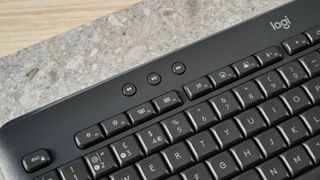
282 24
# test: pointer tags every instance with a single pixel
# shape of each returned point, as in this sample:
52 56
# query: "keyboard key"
269 56
115 125
296 44
296 160
177 157
222 166
201 116
314 35
197 88
227 133
36 160
177 127
202 145
167 102
152 168
225 105
222 77
312 88
141 113
247 154
273 170
250 122
296 100
127 150
311 63
248 94
101 162
152 139
197 172
293 131
293 73
128 173
49 176
246 66
248 175
313 148
89 137
270 142
273 111
74 170
271 84
311 119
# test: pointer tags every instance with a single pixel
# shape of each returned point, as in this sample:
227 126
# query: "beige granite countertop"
95 51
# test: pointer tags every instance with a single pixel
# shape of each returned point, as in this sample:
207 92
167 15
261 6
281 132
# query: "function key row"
228 74
139 114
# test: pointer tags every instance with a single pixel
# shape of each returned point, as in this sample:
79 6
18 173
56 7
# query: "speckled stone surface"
95 51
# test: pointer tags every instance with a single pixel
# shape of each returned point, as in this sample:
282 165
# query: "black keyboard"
241 104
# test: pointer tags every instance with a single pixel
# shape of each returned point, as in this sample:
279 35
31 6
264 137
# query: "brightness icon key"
115 124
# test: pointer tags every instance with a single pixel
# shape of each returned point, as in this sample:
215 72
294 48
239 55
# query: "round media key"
178 68
154 78
129 89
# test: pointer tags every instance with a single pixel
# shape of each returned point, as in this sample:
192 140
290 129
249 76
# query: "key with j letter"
270 142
